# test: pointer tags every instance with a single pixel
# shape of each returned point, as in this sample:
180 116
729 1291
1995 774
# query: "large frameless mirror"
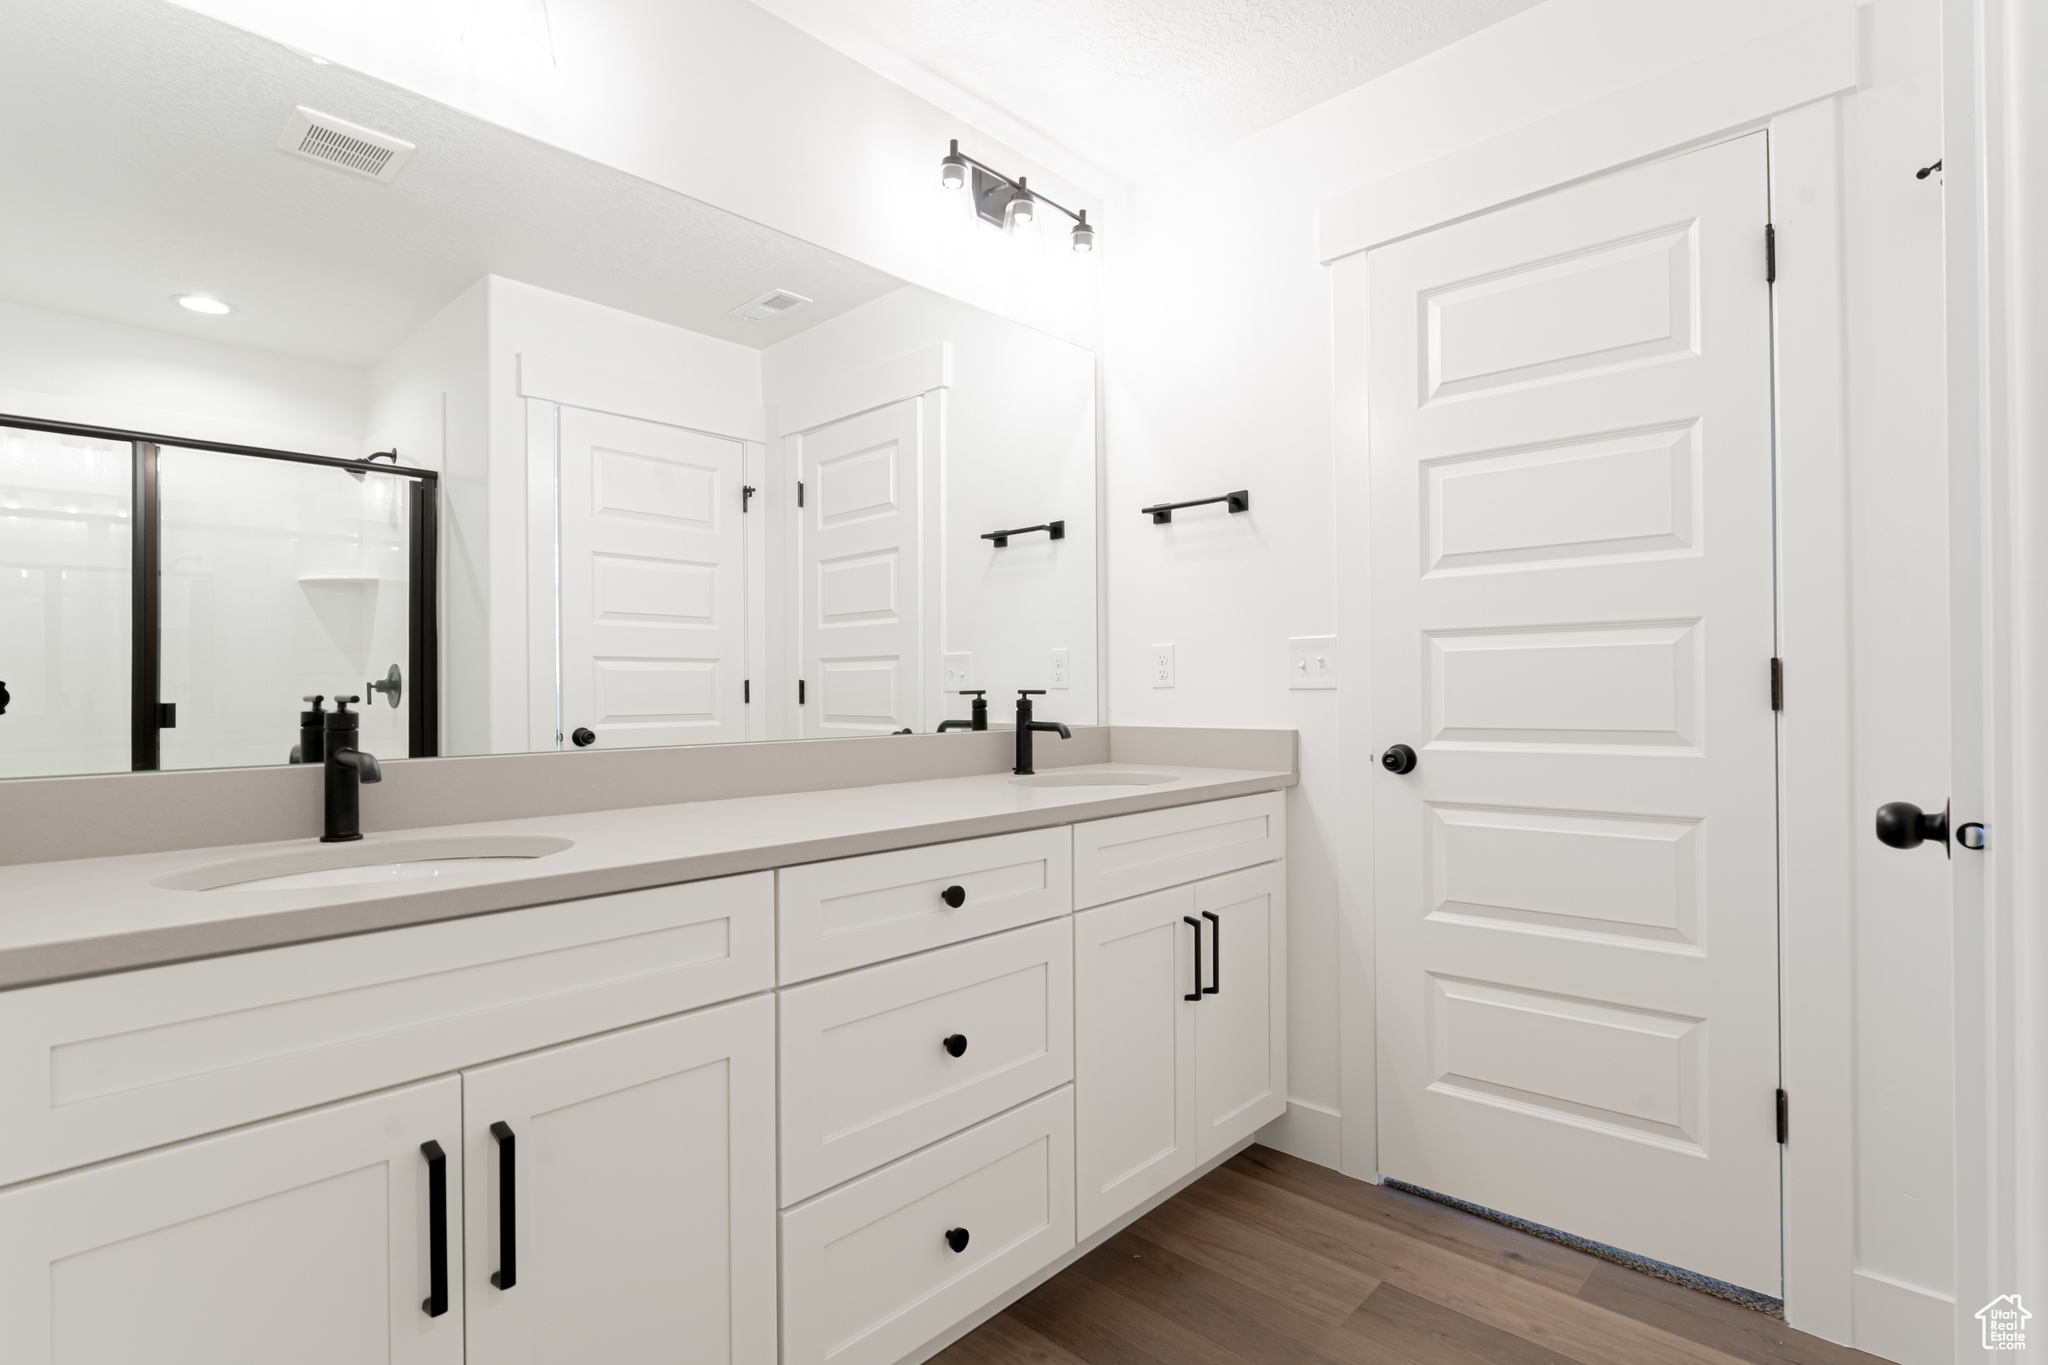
310 386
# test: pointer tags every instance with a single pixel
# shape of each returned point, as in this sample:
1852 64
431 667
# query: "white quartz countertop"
94 915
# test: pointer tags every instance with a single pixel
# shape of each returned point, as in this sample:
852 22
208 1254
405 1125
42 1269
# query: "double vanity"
613 1085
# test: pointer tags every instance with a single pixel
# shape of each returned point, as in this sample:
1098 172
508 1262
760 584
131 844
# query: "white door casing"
1570 434
644 1195
653 555
861 589
301 1239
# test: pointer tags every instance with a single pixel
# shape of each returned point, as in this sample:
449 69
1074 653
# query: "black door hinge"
799 691
746 691
1777 684
1784 1117
746 492
799 492
1770 253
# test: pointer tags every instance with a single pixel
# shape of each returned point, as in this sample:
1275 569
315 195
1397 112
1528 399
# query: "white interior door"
653 582
1576 903
303 1240
861 552
643 1183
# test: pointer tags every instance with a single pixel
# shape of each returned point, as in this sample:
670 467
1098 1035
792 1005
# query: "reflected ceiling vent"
769 306
344 145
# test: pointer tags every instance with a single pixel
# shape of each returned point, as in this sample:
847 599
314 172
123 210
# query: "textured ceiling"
1140 86
139 160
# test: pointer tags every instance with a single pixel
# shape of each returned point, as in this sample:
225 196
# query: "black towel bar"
1161 513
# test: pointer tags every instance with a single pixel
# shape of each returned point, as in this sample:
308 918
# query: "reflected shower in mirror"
525 451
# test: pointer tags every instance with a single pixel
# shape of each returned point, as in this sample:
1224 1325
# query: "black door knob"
955 896
4 698
584 737
1904 825
1398 760
956 1238
955 1045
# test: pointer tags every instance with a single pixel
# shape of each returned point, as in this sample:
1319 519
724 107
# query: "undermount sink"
1094 777
366 864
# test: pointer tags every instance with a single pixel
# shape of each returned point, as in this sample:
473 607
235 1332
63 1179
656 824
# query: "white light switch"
1060 669
1312 661
958 670
1162 665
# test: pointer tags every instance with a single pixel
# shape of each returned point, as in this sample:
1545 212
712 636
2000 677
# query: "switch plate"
957 671
1312 661
1062 669
1162 665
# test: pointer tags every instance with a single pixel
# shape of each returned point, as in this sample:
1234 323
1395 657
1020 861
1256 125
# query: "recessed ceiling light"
200 303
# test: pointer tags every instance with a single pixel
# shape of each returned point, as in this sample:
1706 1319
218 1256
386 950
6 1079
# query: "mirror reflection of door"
861 574
653 583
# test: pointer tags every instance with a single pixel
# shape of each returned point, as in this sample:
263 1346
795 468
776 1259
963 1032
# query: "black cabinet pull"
507 1273
1196 993
1215 986
955 1044
956 1238
436 1302
955 896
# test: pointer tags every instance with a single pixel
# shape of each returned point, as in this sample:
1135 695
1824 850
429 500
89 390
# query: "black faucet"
980 721
347 768
1025 725
312 745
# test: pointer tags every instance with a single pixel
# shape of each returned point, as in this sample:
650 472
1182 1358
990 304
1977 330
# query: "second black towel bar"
1056 530
1161 513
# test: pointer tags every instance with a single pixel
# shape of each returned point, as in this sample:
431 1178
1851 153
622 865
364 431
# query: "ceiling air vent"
347 146
769 306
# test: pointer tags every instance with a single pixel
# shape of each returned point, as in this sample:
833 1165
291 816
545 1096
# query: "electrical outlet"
957 670
1162 665
1060 669
1312 661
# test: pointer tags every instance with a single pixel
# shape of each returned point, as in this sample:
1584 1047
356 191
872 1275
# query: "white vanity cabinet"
307 1239
1180 999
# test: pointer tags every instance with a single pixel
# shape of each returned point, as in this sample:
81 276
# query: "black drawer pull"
1215 986
956 1238
955 1044
436 1302
1196 993
955 896
507 1273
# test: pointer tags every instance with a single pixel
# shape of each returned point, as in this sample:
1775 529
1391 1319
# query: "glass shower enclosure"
168 604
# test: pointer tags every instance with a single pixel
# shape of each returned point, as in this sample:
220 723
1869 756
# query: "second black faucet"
1025 725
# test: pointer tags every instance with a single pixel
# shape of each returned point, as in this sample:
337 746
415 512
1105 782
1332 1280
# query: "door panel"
1241 1022
304 1239
653 581
1570 428
861 569
644 1196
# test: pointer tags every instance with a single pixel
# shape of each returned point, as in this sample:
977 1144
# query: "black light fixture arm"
1162 512
1019 186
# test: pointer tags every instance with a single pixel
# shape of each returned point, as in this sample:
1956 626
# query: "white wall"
1220 377
722 101
65 368
1018 439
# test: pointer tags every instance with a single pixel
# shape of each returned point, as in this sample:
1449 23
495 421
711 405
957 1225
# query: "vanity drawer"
867 1076
855 911
1134 854
107 1065
867 1272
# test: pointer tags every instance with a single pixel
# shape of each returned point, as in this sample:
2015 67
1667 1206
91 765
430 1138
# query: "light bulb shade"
953 170
1021 208
1084 236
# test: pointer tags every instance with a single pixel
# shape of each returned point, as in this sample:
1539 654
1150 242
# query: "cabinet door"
641 1196
1241 1023
307 1240
1134 1053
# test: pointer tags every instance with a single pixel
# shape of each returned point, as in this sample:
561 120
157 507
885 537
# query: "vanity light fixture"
200 303
1005 202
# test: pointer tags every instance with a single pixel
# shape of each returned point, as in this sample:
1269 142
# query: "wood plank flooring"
1271 1260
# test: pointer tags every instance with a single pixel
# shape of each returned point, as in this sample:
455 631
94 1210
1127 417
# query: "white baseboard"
1903 1323
1308 1131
